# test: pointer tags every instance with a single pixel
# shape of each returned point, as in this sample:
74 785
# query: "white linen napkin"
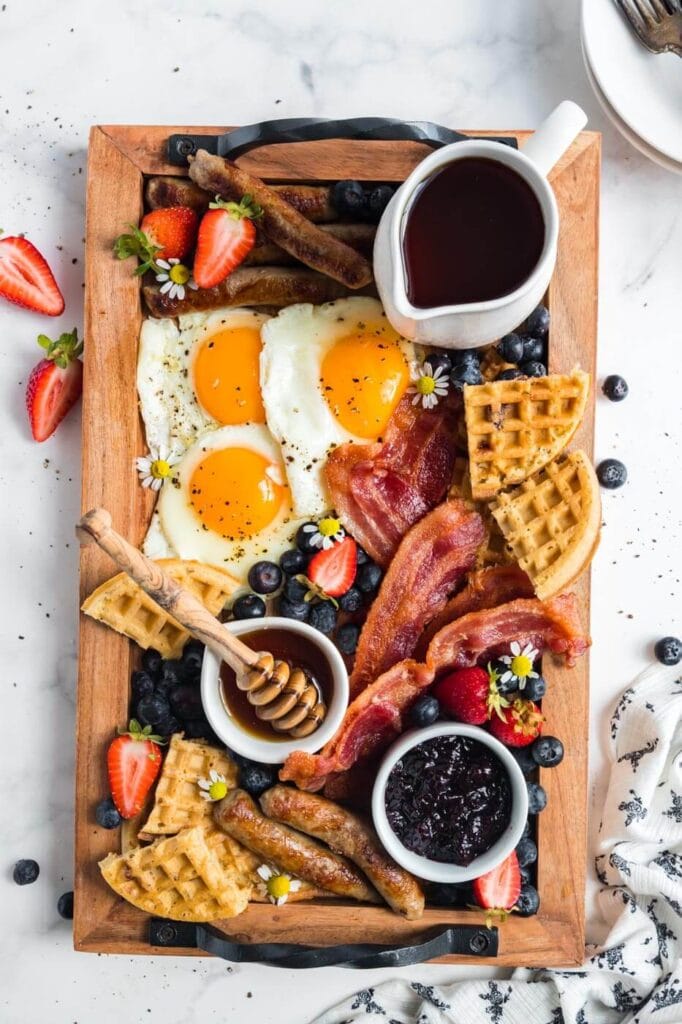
636 977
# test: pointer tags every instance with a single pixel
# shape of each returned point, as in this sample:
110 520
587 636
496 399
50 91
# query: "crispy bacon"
485 588
380 490
548 625
372 720
429 564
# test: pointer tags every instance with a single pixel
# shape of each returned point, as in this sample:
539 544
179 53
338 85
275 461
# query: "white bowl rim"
243 742
436 871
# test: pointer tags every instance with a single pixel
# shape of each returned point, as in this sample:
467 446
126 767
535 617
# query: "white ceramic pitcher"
469 325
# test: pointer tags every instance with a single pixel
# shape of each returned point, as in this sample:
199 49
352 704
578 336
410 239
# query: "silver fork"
657 23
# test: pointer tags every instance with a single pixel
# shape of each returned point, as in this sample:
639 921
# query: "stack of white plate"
641 92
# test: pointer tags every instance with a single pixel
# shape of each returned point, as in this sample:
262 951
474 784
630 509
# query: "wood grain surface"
119 159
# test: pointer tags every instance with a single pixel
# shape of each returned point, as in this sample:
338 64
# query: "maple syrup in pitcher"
285 646
474 232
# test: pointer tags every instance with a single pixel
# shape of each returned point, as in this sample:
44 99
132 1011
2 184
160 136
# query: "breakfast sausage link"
346 834
282 224
358 236
313 201
240 817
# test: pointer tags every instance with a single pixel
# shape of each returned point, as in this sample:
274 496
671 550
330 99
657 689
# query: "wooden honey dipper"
281 694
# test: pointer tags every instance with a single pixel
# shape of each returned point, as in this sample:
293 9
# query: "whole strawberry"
168 233
55 383
470 695
518 724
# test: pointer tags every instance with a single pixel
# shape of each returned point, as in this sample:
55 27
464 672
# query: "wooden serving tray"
119 159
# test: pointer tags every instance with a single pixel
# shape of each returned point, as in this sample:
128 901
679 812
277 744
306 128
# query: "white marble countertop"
67 66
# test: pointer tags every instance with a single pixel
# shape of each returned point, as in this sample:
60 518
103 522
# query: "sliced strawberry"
172 229
133 762
469 695
26 279
519 724
55 384
500 888
333 570
226 236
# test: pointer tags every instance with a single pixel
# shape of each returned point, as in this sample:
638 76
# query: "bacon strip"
429 564
380 490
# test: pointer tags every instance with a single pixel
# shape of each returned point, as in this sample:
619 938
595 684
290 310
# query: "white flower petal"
506 677
156 484
265 872
161 277
515 648
279 901
173 260
163 263
295 885
205 796
168 286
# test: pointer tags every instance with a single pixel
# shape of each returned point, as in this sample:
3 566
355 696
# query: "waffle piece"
494 549
122 605
194 876
551 522
178 802
515 427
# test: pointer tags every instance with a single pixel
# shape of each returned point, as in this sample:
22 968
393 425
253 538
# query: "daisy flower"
278 884
429 385
173 277
325 533
519 664
155 468
214 787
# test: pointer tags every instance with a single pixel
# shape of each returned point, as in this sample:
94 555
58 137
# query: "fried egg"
329 374
198 375
228 502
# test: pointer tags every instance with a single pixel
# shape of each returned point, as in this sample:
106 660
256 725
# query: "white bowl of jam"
234 720
449 802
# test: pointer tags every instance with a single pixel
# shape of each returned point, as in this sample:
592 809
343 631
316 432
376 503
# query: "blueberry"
535 689
513 373
323 617
186 703
533 349
106 814
526 851
265 577
465 373
65 906
198 729
304 538
611 473
526 874
293 561
533 368
248 606
25 872
537 798
347 638
362 556
193 657
294 590
466 357
298 610
669 650
537 323
349 199
523 758
152 709
151 661
351 601
528 902
511 348
510 685
141 685
255 778
547 751
167 726
172 673
615 388
378 199
425 711
440 361
369 577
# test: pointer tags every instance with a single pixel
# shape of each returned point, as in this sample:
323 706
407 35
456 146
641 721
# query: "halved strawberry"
333 570
26 279
226 236
133 762
55 383
519 724
470 695
499 889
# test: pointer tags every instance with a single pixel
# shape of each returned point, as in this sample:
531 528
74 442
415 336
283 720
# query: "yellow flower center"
329 526
278 886
160 469
179 274
217 790
521 666
426 385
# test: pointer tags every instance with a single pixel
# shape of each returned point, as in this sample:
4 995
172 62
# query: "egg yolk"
363 378
236 492
227 376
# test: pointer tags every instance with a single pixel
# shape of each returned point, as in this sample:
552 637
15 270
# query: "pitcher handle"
556 133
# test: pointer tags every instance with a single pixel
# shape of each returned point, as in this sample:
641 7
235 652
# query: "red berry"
333 569
26 279
469 695
519 724
500 888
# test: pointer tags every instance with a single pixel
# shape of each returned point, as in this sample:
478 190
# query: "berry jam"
449 799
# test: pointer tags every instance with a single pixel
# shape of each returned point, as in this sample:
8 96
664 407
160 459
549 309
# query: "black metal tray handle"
313 129
464 940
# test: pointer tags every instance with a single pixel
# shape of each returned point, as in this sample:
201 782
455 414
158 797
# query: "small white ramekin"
436 871
245 743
